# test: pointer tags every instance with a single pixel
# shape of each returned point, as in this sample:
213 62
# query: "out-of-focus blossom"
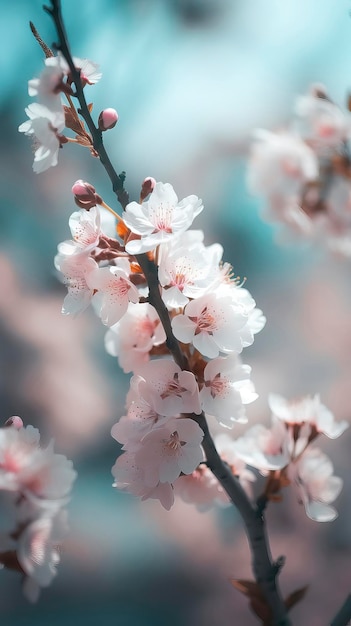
200 488
226 447
280 164
320 122
313 474
308 410
265 448
37 482
303 174
44 126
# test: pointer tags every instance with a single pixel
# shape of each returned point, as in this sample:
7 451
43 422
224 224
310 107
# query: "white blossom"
160 218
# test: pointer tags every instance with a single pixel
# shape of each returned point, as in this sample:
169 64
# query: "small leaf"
83 140
295 597
71 121
258 602
90 107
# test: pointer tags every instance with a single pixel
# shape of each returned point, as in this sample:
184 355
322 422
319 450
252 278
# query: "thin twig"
117 180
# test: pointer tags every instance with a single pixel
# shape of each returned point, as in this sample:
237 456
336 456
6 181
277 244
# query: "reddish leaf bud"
14 421
147 187
108 118
85 195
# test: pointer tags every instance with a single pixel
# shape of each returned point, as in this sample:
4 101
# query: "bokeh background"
190 79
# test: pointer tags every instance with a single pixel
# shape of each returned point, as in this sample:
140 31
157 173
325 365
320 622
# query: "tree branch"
264 569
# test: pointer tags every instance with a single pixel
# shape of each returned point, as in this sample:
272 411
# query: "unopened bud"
108 118
147 187
85 195
14 421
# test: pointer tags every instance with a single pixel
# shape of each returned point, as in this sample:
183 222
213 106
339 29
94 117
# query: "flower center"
161 218
218 386
206 322
173 388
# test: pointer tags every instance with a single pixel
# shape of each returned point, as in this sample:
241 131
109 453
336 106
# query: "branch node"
278 565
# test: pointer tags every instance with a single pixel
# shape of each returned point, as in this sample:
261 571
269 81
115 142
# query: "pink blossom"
141 418
308 410
167 388
160 218
130 477
187 268
226 389
313 474
28 468
167 451
212 323
320 122
132 338
280 163
226 448
265 448
116 291
200 488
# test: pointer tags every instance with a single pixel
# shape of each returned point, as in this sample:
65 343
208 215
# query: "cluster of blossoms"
177 322
34 487
48 117
212 316
304 173
283 451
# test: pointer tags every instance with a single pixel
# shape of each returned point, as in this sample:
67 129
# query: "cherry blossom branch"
265 570
117 180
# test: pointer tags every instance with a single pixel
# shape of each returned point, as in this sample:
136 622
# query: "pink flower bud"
108 118
147 187
14 421
85 195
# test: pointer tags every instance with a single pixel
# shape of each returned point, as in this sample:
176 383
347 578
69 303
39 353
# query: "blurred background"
190 79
